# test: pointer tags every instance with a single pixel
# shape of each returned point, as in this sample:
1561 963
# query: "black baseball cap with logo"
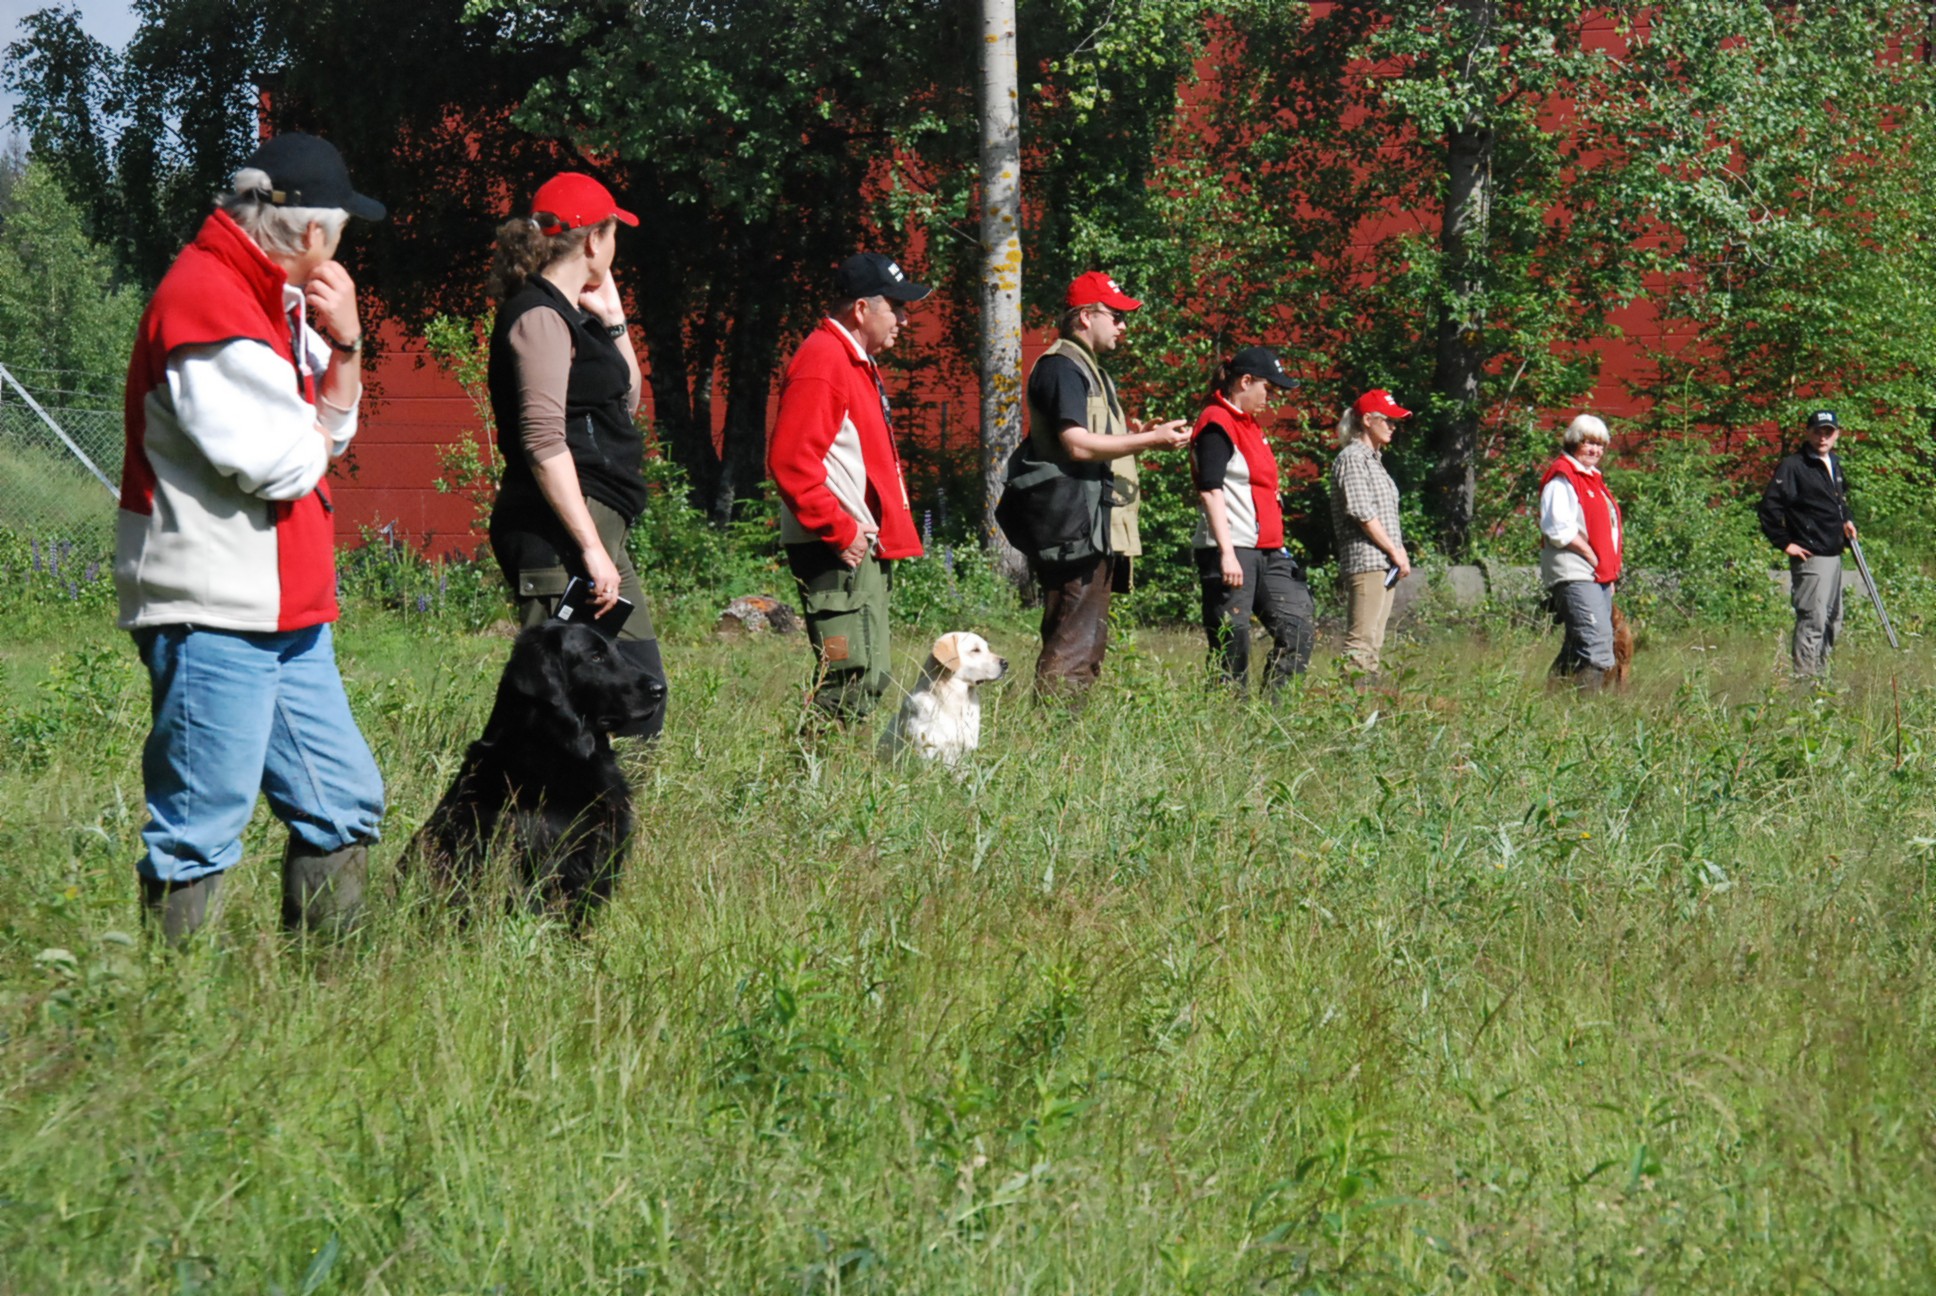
1821 419
1261 362
305 171
869 274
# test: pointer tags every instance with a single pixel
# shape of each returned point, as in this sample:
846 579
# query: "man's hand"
1233 571
1796 551
1848 529
1401 560
859 547
330 296
1173 435
602 302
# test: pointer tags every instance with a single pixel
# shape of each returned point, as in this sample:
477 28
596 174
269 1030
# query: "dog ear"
535 694
946 653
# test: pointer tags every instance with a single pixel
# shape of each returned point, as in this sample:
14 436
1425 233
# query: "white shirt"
1560 519
240 404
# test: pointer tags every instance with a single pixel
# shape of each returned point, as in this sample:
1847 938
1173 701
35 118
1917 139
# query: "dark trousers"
1274 590
538 565
1075 624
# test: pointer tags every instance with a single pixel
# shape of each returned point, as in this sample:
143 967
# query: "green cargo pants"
846 611
536 568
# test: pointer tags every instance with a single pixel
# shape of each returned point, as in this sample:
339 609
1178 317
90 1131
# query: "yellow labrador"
941 718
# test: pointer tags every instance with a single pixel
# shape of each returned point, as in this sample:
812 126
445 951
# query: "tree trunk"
1459 364
1001 271
752 350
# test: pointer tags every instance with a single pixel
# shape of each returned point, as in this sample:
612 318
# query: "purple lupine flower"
423 602
948 559
73 592
927 527
93 570
34 544
443 580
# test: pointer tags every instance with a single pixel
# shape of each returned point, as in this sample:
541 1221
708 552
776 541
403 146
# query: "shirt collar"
860 352
293 302
1224 401
1591 472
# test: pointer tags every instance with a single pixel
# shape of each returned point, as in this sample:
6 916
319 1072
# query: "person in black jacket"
564 385
1805 514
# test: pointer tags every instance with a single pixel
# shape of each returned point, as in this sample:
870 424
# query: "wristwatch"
615 331
345 348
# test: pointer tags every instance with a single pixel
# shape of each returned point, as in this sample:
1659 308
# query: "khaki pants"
1368 606
846 612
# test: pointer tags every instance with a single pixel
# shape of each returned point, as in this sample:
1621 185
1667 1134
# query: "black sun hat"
305 171
1261 362
869 274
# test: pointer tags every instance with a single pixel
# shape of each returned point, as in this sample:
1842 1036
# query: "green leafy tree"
1788 152
64 323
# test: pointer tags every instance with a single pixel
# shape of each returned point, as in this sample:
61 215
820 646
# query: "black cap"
869 274
1821 419
305 171
1259 362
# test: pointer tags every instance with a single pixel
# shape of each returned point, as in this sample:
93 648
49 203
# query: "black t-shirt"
1057 388
1213 452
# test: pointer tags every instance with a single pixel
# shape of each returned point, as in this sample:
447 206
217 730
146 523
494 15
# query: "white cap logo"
1114 286
895 271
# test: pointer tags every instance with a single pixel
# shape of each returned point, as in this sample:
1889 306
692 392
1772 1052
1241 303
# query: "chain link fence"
60 455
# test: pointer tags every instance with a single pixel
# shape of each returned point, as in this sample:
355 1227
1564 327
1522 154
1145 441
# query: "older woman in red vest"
1579 562
1240 554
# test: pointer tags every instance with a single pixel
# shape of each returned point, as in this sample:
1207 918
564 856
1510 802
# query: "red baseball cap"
1097 288
1379 401
572 200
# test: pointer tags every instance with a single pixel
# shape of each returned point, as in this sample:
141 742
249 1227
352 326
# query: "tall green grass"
1459 986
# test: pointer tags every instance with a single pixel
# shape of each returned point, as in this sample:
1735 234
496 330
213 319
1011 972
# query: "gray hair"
1351 425
275 229
1587 427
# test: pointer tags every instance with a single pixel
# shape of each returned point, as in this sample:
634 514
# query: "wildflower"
423 602
93 571
927 527
35 545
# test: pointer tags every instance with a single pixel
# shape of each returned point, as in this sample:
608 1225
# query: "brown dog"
1623 645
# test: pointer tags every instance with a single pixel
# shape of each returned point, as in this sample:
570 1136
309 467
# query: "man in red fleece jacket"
844 515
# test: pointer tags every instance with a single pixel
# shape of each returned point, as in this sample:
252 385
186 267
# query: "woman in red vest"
1580 559
1240 553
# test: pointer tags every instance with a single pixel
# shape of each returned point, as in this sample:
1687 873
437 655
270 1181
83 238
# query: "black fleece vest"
604 443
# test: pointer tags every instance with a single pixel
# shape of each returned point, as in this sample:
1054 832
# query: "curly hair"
524 250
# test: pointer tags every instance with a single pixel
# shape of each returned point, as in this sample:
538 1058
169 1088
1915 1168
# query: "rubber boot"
1591 679
180 909
322 891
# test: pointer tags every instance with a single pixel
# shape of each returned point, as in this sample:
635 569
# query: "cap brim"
1398 411
366 207
906 292
1123 303
1283 380
625 217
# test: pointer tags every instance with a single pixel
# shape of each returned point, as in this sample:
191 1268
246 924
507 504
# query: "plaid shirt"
1361 490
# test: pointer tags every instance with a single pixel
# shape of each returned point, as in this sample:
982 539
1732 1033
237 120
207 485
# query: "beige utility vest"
1105 419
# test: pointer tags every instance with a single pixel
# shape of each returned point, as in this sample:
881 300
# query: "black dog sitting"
542 785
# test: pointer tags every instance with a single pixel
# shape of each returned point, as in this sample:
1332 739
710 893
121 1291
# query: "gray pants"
1274 589
1585 608
1815 591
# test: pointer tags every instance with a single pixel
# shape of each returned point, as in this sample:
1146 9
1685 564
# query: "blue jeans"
236 714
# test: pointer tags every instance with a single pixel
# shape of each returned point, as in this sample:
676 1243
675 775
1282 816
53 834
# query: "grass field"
1461 987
